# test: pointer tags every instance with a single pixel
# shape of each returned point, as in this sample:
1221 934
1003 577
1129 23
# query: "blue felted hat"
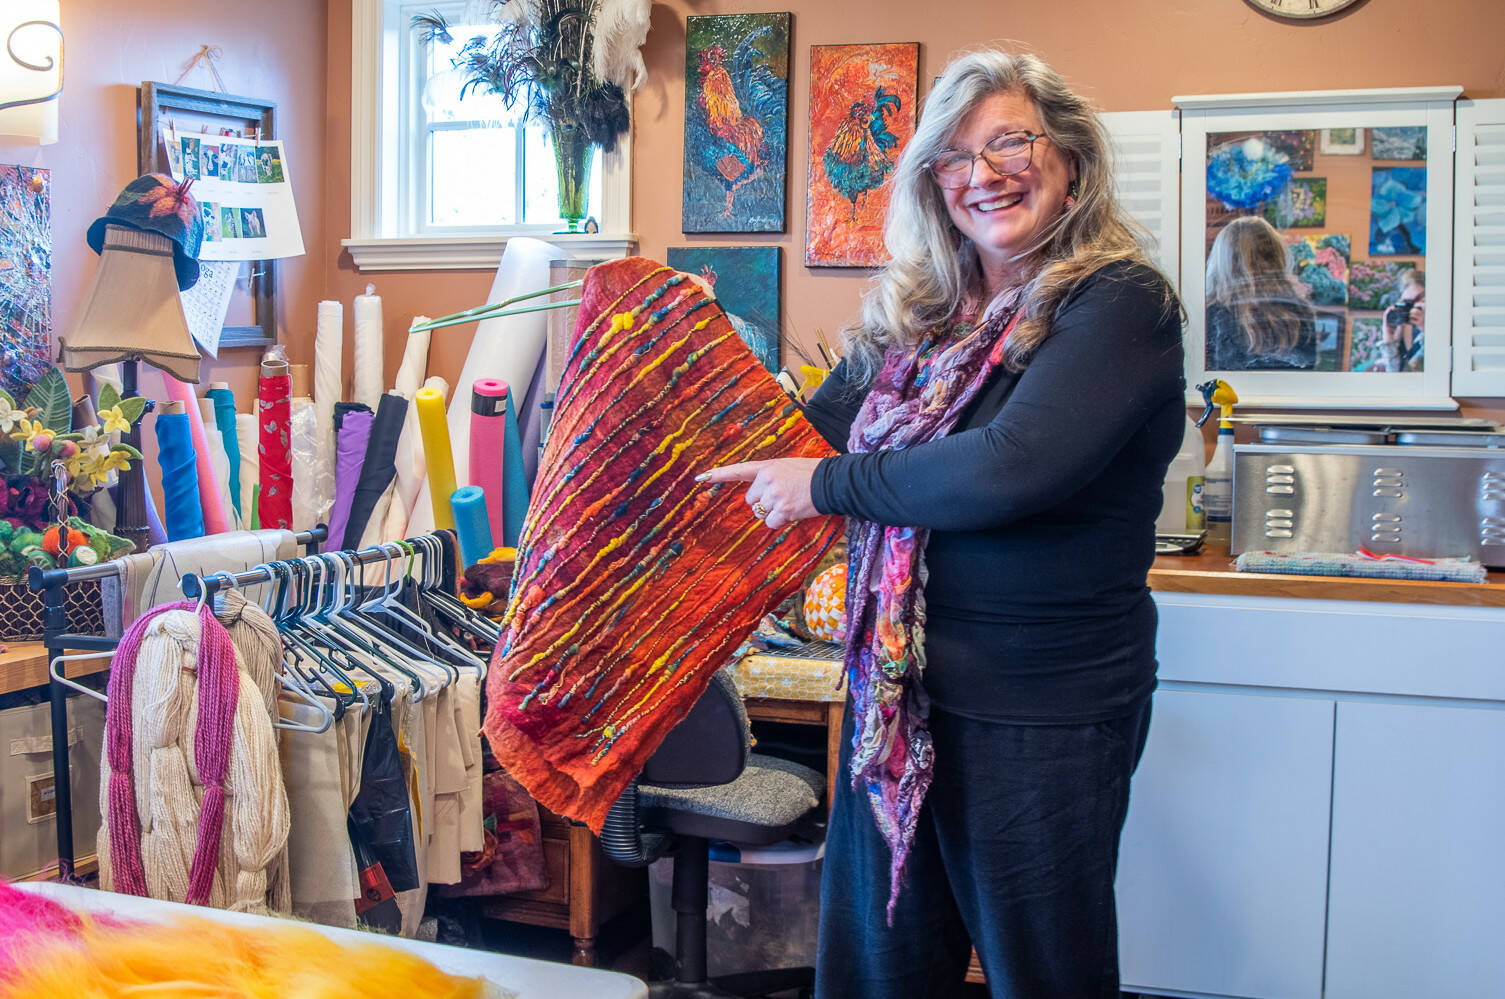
154 202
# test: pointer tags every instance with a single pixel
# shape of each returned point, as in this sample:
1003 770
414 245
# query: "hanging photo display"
736 122
243 188
25 276
745 281
862 115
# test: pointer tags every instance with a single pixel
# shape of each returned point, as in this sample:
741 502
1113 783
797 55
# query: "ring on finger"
759 510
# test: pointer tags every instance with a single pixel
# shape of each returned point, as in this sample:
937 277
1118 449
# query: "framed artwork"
25 276
1372 284
1405 142
1342 141
1398 210
252 317
1302 205
1299 146
1366 353
1329 330
745 281
736 122
862 114
1320 266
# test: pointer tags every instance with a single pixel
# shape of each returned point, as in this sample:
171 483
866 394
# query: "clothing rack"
56 639
197 587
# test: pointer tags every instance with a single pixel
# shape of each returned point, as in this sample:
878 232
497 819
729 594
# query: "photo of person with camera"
1405 324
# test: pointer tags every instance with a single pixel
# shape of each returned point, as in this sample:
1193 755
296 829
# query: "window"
438 181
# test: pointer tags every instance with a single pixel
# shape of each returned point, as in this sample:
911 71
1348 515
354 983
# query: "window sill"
459 253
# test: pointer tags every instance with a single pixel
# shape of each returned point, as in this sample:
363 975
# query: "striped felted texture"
633 582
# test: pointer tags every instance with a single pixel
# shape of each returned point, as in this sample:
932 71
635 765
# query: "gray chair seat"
763 805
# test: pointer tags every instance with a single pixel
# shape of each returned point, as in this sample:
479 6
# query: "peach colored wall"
1125 54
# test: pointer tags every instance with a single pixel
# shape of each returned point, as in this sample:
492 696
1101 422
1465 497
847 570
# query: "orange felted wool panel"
634 582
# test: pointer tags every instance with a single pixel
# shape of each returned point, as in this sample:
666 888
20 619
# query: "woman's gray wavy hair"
933 268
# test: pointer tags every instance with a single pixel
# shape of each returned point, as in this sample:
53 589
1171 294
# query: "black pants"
1015 854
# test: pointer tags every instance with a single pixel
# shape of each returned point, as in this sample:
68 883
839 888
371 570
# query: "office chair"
704 784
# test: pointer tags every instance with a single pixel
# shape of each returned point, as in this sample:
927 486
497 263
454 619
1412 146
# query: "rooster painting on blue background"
736 109
860 156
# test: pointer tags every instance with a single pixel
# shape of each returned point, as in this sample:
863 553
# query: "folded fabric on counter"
1458 570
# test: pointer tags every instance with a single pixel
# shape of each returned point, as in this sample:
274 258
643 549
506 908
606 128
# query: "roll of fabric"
510 348
306 459
247 439
274 413
329 388
377 469
370 378
472 524
411 468
437 454
219 461
488 447
183 510
225 423
409 380
214 513
351 438
514 481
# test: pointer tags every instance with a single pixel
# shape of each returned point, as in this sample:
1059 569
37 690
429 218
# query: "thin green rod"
490 310
460 320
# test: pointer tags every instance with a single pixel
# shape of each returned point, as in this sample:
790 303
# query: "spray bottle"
1217 482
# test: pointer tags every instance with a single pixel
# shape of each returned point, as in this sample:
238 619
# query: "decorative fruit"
825 605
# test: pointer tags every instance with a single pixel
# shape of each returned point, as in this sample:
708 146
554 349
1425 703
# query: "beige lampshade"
132 310
31 70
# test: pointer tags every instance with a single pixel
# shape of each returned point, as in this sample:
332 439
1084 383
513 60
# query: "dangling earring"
1072 191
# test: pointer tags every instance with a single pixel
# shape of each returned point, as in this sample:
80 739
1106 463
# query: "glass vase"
572 163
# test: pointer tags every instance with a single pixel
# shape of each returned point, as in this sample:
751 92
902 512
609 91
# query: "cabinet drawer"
556 859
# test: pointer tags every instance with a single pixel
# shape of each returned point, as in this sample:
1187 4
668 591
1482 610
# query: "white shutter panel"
1147 168
1479 251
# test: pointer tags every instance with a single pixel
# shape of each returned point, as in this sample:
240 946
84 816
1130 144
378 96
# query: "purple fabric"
350 452
918 396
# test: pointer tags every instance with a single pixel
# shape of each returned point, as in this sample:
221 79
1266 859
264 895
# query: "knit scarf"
918 396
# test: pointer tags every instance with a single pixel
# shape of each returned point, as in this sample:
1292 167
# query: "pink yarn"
219 689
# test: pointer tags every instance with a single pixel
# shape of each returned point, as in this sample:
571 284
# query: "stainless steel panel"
1421 501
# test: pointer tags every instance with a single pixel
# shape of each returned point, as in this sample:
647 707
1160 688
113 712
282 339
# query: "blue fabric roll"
182 515
224 419
471 523
514 481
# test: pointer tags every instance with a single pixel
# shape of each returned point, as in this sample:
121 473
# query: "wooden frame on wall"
189 108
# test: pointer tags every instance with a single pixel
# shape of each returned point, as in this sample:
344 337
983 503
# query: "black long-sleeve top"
1041 506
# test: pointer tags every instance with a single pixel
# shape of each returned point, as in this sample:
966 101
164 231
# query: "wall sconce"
31 70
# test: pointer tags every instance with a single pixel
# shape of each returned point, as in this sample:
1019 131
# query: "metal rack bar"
195 585
56 639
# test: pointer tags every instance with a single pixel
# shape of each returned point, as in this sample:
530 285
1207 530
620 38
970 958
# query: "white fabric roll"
329 388
509 348
303 444
370 378
248 437
412 470
415 361
219 461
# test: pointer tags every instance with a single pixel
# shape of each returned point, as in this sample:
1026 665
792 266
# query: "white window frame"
381 237
1432 106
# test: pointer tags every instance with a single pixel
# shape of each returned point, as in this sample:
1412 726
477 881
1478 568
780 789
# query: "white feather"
617 34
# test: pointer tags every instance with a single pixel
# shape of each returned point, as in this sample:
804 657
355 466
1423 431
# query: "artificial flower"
10 417
26 429
113 419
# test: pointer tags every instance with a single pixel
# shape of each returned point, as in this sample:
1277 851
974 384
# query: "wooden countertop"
1214 573
24 664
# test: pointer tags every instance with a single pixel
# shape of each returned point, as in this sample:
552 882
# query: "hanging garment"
190 763
634 583
321 866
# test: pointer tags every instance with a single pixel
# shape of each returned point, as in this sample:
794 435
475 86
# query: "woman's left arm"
1114 358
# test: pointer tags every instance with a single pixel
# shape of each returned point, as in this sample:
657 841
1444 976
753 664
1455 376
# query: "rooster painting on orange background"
862 113
736 122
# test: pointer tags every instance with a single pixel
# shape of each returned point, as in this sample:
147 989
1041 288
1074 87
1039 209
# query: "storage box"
764 907
27 795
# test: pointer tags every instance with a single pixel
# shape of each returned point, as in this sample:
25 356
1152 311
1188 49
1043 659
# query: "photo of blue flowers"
1398 210
745 281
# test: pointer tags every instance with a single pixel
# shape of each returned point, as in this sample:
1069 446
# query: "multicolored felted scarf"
633 582
917 397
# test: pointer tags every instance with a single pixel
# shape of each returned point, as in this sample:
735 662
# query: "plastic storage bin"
764 907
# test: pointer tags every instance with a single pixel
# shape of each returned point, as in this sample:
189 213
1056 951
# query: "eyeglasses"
1006 154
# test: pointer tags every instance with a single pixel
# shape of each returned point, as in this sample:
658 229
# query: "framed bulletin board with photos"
1309 225
251 320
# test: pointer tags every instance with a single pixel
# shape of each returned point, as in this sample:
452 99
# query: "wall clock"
1300 8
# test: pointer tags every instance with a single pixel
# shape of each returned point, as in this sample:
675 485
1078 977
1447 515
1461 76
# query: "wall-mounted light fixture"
31 70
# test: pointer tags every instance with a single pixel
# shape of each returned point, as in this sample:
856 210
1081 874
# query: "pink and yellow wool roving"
633 582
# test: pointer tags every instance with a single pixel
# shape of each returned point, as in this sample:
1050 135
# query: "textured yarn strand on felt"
634 582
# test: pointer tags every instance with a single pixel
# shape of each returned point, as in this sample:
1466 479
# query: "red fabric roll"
273 414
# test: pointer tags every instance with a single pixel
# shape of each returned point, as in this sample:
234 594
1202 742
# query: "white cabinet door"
1418 861
1223 868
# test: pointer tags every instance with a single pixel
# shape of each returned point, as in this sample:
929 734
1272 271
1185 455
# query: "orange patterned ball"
826 603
